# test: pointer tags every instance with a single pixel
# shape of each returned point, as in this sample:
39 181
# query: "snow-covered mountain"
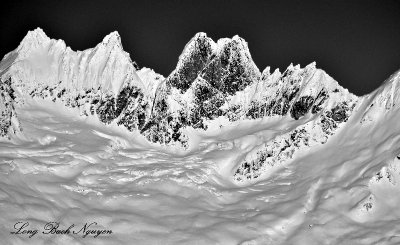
102 81
213 83
211 80
261 157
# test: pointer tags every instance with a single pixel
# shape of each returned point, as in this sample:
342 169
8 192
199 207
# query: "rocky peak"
33 39
192 61
112 40
235 46
200 47
219 63
36 36
231 69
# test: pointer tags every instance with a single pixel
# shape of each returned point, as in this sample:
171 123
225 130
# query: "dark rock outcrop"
9 123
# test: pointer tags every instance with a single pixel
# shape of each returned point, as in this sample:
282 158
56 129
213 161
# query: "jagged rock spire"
112 39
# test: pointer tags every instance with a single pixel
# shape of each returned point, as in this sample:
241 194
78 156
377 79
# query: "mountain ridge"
211 81
225 68
38 36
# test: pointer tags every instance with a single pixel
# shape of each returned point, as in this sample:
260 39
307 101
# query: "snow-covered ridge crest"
41 60
384 100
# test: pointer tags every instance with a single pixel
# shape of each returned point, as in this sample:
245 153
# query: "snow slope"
287 158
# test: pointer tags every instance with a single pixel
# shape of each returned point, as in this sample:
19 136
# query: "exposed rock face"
9 123
196 91
132 108
296 93
284 147
226 65
192 61
228 84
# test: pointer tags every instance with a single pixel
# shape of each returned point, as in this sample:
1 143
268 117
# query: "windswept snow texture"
267 158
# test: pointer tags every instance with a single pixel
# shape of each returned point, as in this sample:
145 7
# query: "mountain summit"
33 40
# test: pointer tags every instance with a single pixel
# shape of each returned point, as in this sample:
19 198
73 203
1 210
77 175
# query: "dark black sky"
356 42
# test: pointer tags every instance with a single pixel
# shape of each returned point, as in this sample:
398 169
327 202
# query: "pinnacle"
34 38
36 35
113 38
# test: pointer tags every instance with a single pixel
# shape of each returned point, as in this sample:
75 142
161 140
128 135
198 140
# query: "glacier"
217 152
